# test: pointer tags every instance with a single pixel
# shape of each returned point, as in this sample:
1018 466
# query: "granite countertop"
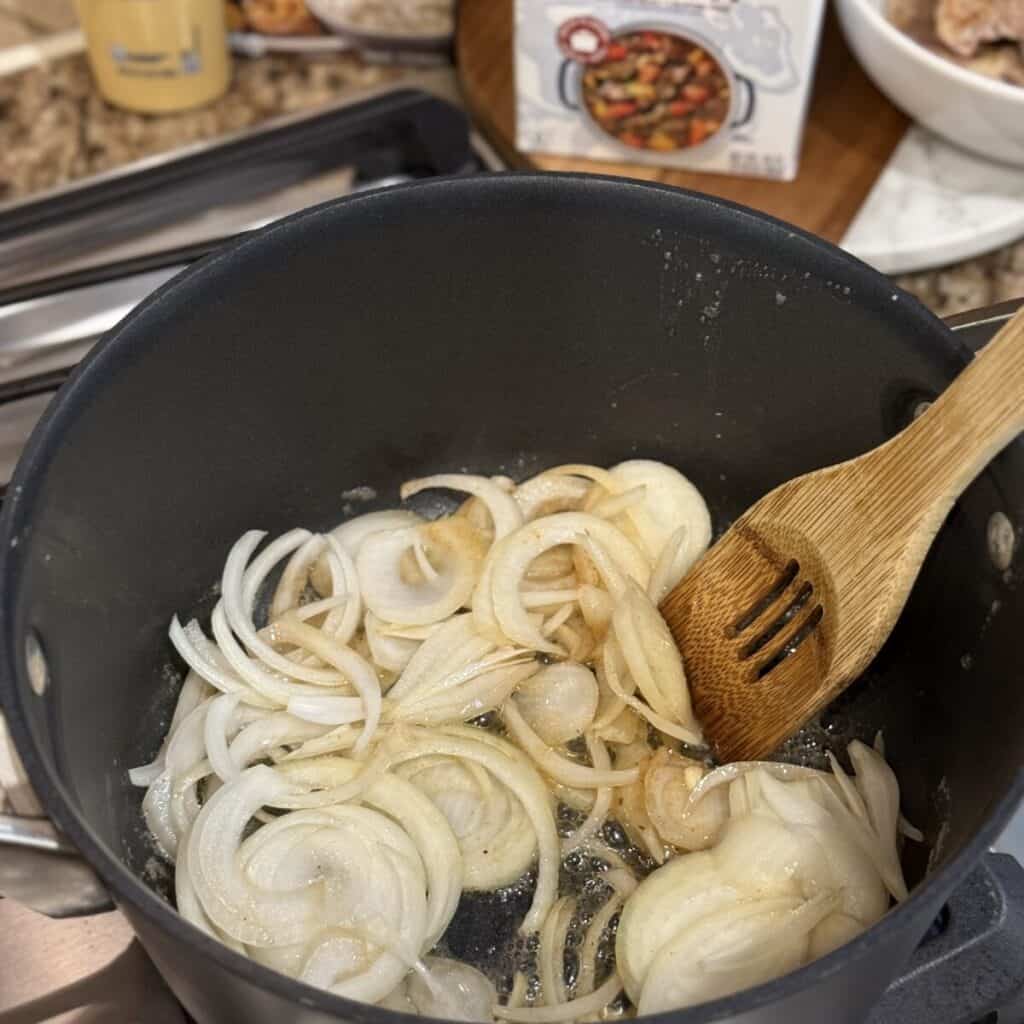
55 128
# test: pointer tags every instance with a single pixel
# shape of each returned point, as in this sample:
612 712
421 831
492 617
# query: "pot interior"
491 325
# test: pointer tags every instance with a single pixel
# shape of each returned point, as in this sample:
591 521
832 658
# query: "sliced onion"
273 889
189 906
507 765
910 831
855 862
668 783
877 784
672 565
556 567
668 902
551 950
653 660
475 689
352 667
156 809
457 674
623 728
258 739
611 506
343 738
559 702
239 586
251 916
343 621
450 990
215 734
388 651
454 642
623 885
414 811
328 710
630 808
193 692
569 773
625 699
505 513
728 773
551 492
456 548
296 575
509 559
598 813
535 599
351 533
495 836
596 607
731 949
206 660
670 501
583 1008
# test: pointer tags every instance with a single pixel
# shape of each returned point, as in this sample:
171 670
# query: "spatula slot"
763 603
802 632
791 610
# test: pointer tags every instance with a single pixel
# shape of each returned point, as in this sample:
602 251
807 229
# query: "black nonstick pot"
498 323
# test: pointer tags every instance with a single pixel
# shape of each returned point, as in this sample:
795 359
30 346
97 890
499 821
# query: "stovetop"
970 970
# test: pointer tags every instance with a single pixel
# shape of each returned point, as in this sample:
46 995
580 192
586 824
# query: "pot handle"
563 84
40 868
971 962
748 114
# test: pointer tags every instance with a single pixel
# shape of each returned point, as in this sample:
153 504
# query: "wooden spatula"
794 601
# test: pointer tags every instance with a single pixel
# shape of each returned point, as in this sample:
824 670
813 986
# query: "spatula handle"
937 457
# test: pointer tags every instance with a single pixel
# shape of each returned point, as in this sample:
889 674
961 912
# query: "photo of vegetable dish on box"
659 91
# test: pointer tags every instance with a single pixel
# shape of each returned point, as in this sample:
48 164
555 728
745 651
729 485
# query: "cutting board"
851 132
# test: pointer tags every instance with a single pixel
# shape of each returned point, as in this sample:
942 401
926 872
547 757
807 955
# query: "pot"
503 323
742 97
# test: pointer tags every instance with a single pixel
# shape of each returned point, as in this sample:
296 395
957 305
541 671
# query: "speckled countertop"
55 128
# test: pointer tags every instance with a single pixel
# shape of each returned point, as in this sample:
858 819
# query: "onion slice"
498 598
455 547
569 773
559 702
670 502
505 513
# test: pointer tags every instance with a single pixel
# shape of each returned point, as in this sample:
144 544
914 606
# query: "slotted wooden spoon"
794 601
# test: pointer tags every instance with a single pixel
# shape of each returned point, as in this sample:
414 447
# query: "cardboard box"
707 85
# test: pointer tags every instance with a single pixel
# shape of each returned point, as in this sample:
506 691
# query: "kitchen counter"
54 128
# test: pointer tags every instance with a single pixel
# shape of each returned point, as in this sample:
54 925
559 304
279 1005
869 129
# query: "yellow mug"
157 56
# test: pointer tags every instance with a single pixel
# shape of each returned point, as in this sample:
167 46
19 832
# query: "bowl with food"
390 25
652 89
956 66
330 633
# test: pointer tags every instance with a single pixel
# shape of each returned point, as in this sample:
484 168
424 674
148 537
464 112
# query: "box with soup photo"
712 85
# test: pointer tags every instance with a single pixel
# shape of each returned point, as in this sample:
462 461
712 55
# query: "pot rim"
128 888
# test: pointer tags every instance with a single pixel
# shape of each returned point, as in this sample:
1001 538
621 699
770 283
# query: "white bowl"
979 113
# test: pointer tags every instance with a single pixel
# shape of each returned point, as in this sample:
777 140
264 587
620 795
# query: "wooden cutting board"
850 135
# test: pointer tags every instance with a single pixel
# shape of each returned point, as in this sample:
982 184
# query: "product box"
706 85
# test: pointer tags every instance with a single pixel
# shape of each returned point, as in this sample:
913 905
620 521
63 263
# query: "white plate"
936 204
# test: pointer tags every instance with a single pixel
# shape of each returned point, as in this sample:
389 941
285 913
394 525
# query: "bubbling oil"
485 929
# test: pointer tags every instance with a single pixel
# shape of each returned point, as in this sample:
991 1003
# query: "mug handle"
563 84
748 114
